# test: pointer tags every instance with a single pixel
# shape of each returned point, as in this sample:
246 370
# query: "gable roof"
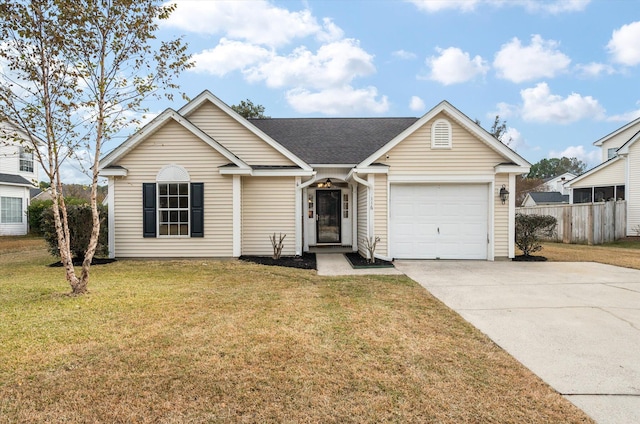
157 123
333 140
11 179
461 119
593 171
541 197
207 96
624 149
601 141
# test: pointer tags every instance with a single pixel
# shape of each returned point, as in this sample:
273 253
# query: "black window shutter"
149 209
197 209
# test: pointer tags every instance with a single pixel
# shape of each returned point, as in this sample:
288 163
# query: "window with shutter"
441 134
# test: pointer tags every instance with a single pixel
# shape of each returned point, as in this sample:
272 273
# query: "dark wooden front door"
328 228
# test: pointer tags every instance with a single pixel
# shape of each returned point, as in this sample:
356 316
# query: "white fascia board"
113 172
479 178
29 185
601 141
512 169
282 173
206 95
235 171
372 170
592 171
461 119
154 126
332 165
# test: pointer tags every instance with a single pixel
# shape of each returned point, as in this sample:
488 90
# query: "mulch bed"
78 262
358 261
306 261
525 258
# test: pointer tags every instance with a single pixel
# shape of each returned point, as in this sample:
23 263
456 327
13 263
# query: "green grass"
226 341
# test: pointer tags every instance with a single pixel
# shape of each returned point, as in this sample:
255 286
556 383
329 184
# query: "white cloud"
624 45
591 158
338 101
454 66
541 106
404 55
540 59
513 138
229 56
256 22
416 104
594 69
546 6
334 65
432 6
625 117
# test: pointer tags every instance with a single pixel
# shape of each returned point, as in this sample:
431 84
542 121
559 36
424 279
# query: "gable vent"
441 134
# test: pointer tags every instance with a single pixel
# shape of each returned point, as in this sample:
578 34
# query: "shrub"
34 214
529 229
80 226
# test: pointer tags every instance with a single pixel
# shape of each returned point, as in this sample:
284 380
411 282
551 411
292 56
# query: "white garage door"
444 221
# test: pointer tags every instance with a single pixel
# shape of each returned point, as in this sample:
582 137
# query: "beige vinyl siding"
381 213
612 174
468 155
362 219
172 144
268 206
501 217
618 140
633 189
235 137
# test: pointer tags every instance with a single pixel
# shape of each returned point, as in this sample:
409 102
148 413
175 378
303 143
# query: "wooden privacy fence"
590 223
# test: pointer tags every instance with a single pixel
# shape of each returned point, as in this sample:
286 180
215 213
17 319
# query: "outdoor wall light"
327 184
504 194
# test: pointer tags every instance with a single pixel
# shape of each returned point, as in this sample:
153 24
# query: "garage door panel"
438 221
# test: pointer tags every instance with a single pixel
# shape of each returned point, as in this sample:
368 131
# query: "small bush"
34 213
529 229
80 225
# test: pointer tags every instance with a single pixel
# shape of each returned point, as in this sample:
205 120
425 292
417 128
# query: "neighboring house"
204 181
557 183
617 177
18 171
540 198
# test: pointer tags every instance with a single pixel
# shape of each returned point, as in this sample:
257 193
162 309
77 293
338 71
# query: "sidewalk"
332 264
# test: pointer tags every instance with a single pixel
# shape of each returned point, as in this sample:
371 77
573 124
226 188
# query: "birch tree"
73 74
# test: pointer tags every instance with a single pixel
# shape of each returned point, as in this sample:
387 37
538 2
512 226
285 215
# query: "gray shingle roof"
14 179
333 140
541 197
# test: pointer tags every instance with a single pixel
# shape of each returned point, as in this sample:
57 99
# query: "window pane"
173 205
173 216
173 230
11 210
184 229
184 189
162 189
173 188
163 202
184 202
164 216
164 230
173 202
184 216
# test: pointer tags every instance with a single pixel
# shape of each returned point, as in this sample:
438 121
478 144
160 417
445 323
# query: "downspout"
299 213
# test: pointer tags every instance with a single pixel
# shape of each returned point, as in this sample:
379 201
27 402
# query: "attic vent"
441 134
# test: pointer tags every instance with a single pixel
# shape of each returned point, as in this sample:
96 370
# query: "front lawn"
227 341
624 253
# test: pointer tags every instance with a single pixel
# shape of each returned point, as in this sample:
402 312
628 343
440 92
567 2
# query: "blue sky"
561 73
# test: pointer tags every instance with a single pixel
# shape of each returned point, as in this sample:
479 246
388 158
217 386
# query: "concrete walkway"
575 325
333 264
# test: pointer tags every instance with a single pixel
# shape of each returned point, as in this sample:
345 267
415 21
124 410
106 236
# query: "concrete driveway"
576 325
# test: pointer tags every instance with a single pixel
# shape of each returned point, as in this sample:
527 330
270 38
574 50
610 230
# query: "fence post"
590 229
566 225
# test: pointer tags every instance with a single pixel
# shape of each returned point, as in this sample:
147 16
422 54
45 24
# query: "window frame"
4 212
25 160
179 210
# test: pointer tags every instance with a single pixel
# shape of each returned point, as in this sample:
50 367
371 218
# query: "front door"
328 216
